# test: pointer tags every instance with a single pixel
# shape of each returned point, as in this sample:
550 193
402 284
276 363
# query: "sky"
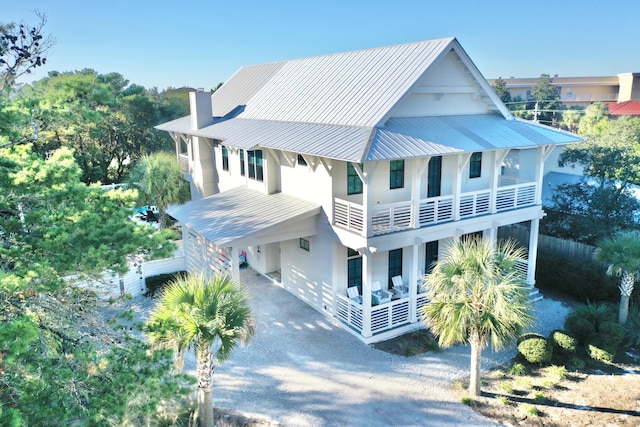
199 44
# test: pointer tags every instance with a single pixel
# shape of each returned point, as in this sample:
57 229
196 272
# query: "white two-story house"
338 173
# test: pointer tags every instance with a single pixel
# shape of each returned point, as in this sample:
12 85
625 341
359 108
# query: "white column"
413 283
366 294
533 252
235 263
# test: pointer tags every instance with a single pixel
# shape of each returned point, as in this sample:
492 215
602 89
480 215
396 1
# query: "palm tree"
159 182
622 255
477 296
206 315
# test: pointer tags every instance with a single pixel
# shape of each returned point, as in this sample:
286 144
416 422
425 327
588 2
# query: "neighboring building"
626 108
337 173
582 91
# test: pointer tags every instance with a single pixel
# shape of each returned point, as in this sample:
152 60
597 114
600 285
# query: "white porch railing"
383 316
402 216
515 196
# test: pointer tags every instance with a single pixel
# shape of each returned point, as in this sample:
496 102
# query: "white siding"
308 274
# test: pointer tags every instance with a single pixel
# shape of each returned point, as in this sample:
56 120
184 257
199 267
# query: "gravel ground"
303 369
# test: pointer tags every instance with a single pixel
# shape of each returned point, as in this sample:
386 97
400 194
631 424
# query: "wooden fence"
548 243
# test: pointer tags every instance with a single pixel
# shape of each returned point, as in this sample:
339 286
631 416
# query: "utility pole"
535 113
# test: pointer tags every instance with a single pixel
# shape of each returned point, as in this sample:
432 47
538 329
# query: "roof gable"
355 88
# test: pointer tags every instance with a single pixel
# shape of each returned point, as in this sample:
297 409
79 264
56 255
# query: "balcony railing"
402 216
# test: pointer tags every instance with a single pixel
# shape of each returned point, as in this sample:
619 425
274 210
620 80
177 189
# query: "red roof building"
626 108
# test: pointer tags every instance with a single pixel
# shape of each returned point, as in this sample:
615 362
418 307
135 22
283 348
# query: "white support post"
533 252
462 161
413 284
543 154
500 155
366 293
235 263
417 170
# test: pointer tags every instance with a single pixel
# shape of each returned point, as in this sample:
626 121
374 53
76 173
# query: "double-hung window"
475 165
225 158
430 256
354 183
255 165
242 172
396 174
435 176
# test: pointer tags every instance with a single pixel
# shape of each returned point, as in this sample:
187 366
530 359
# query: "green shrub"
557 372
595 313
563 342
632 327
468 400
529 335
518 369
601 353
535 349
612 332
582 280
580 327
575 364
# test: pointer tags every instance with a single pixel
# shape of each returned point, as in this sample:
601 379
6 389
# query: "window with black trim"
354 269
242 172
255 164
475 165
430 256
301 160
395 263
354 183
304 244
396 174
434 179
225 158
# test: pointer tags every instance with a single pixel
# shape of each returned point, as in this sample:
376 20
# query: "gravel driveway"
303 369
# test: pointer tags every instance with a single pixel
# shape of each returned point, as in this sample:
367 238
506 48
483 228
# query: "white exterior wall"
445 89
308 275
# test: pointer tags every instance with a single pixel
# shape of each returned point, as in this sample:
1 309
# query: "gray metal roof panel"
238 213
351 88
430 136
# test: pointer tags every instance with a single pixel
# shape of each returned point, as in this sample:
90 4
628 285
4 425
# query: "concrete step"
535 295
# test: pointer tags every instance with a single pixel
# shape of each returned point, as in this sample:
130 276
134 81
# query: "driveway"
303 369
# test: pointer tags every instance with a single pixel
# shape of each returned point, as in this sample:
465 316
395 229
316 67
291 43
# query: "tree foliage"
477 296
500 88
209 317
107 121
160 182
22 48
544 106
59 363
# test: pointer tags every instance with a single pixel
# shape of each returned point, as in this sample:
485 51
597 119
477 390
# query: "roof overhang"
242 217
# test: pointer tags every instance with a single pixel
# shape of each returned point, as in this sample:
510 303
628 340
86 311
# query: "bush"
612 333
580 327
582 280
529 335
535 349
632 327
563 342
600 352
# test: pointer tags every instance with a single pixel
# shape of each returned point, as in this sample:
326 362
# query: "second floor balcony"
407 215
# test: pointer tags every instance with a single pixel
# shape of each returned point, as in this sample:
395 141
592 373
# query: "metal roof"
351 88
440 135
237 214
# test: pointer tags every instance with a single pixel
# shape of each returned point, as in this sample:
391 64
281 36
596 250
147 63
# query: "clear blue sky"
201 43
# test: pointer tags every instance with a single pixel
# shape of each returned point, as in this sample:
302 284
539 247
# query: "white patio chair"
354 295
399 288
382 295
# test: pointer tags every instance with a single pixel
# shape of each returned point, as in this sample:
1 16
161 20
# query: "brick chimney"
201 109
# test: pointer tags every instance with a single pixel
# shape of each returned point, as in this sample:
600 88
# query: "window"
225 158
301 160
476 235
304 244
255 165
354 183
395 263
242 172
435 176
396 174
430 256
475 165
354 269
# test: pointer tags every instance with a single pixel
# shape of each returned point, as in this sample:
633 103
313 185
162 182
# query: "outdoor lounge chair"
399 288
354 294
382 295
